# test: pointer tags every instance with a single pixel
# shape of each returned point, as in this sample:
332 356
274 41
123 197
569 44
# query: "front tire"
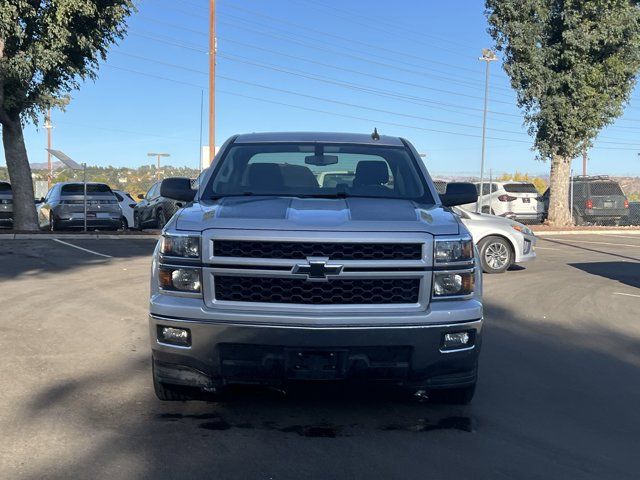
496 254
168 393
161 219
137 225
52 222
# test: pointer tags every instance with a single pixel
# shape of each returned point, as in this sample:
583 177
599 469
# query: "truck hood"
317 214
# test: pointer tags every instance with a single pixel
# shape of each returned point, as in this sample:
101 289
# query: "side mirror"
178 188
459 193
141 196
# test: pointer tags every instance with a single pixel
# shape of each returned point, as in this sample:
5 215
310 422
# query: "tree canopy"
573 64
47 48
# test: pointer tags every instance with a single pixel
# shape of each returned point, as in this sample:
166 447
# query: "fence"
592 200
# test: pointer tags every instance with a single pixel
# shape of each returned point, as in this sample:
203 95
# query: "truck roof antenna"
375 135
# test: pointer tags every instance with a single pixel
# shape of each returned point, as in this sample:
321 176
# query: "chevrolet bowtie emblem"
316 269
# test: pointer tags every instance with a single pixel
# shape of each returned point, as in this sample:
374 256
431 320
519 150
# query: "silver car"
63 207
501 241
6 205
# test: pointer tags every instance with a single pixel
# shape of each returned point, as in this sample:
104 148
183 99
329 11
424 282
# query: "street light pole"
49 127
212 79
488 56
158 155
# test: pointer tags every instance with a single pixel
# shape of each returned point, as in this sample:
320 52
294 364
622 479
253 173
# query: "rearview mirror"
178 188
459 193
321 160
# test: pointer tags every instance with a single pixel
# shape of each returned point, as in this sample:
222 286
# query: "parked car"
597 200
268 278
634 214
63 207
127 204
154 210
519 201
6 205
501 242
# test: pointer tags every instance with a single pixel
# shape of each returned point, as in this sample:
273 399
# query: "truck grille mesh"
302 250
332 292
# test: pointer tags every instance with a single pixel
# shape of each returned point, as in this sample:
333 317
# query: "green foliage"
573 64
540 183
52 45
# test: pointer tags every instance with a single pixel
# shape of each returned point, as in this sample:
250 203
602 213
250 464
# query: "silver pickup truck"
315 257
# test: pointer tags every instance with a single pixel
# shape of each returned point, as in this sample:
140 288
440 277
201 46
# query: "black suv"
154 211
596 200
6 205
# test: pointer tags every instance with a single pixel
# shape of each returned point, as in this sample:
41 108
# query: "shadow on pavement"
587 249
38 257
550 404
627 273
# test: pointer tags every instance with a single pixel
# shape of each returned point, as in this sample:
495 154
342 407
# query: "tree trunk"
25 216
559 212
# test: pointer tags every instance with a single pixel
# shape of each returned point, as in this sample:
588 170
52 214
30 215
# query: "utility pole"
584 160
49 127
212 79
488 56
158 155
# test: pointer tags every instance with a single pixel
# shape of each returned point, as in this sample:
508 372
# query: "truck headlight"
452 284
453 250
186 246
180 279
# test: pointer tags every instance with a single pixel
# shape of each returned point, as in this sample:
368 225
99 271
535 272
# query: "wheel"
137 225
168 393
124 224
496 254
454 396
52 222
577 219
161 219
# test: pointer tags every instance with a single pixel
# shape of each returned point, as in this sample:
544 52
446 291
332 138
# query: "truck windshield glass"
318 170
520 188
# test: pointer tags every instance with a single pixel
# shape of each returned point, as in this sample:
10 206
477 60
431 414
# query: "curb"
586 232
72 236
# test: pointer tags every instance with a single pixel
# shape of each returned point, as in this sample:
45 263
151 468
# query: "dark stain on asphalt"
314 431
215 425
180 416
460 423
322 430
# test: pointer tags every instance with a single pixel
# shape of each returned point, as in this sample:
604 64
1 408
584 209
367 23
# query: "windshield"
78 189
520 188
318 170
5 187
605 188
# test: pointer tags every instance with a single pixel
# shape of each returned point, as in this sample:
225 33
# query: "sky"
409 68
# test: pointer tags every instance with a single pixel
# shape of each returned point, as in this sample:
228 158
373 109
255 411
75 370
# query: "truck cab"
268 275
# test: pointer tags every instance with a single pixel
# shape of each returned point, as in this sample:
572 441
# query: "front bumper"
224 353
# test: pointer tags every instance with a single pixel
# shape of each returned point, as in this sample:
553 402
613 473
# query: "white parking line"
599 243
83 249
627 294
632 237
546 248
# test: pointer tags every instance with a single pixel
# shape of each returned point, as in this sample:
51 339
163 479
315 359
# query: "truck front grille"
334 292
302 250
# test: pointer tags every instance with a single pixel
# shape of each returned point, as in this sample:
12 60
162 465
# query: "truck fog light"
446 284
455 340
174 336
179 279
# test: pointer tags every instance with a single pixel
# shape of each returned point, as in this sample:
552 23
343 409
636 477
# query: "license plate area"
526 200
608 204
315 364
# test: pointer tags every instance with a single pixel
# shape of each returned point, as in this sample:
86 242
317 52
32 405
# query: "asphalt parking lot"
558 393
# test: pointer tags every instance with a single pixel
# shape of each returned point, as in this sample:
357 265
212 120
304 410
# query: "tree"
47 47
573 65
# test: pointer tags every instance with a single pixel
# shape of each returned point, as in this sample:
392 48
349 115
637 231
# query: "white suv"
516 200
